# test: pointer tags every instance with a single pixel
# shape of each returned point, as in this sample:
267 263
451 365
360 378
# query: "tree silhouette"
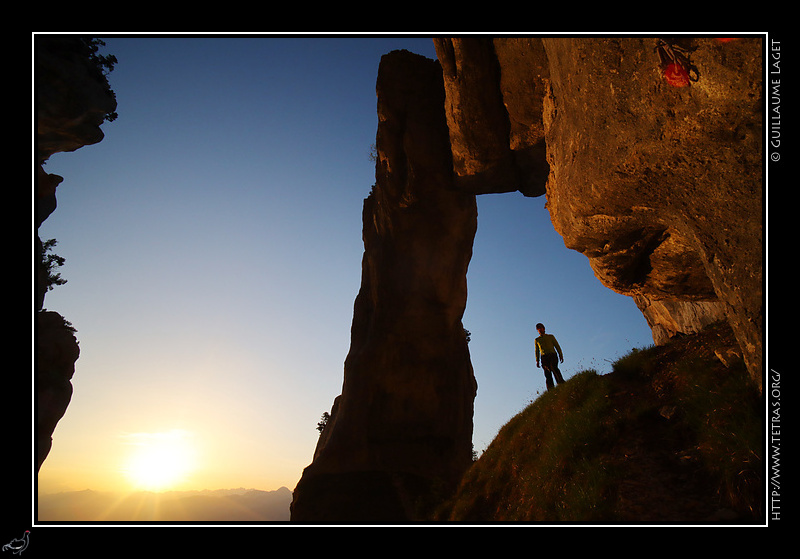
50 262
323 422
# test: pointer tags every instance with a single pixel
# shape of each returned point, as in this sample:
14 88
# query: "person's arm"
558 347
535 343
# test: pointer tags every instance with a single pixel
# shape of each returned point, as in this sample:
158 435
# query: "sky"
213 255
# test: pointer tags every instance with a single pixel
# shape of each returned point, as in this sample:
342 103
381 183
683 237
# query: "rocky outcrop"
56 353
660 186
401 430
673 434
668 318
495 90
72 100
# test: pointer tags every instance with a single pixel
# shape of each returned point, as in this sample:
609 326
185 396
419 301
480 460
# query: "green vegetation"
544 463
670 435
717 408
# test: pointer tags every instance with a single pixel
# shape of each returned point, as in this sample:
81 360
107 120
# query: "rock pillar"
400 433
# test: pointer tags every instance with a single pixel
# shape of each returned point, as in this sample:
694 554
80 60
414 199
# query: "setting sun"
158 461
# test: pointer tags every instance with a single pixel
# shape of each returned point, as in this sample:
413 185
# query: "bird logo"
18 545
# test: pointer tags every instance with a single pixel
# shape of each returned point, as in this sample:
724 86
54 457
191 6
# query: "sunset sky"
213 255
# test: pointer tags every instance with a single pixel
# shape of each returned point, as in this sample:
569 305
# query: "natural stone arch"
617 191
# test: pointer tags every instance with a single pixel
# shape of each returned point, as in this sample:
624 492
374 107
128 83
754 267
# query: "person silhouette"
546 348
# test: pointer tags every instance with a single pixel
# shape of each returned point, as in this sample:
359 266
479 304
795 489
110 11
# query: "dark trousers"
550 366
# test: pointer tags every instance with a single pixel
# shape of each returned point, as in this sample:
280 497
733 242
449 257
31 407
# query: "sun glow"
159 461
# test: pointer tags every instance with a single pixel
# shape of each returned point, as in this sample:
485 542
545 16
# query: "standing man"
546 346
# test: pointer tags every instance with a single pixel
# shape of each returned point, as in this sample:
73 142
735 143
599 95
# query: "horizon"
142 507
213 256
229 490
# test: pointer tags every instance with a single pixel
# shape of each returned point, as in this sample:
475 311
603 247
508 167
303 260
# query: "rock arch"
639 176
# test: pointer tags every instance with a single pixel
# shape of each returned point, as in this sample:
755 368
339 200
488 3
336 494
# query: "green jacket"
547 343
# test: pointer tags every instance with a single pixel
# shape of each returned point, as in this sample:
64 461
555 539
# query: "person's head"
540 328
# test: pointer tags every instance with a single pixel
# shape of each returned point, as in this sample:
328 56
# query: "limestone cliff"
659 185
401 430
56 353
494 96
72 100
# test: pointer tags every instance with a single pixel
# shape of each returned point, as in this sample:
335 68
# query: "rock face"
56 353
72 101
402 428
668 317
659 186
495 90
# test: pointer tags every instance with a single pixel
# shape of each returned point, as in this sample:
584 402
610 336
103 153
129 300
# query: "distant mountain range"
225 505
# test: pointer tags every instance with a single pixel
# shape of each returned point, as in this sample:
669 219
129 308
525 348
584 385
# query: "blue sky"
213 255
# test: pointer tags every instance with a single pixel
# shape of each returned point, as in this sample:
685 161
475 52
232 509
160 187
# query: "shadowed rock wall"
72 100
401 431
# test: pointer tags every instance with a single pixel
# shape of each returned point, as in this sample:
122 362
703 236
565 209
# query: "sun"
158 461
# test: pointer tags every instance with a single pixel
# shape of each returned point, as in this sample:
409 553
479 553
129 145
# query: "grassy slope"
670 435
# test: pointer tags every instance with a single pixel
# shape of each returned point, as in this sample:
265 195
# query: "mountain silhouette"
226 505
